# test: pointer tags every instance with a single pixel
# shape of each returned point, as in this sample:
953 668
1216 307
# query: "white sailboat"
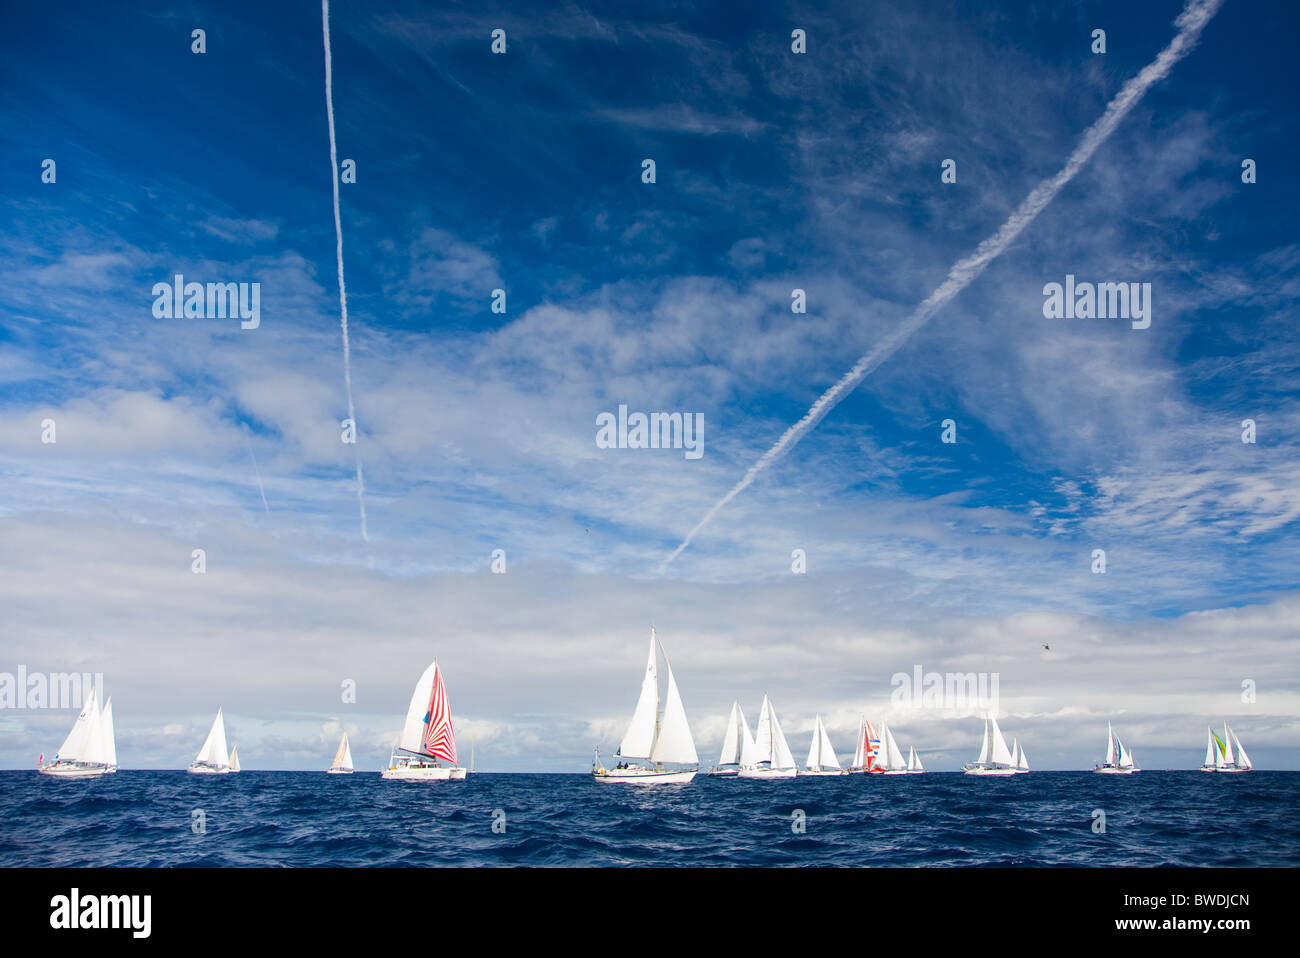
652 736
427 738
729 760
1211 751
995 758
342 758
1229 760
234 758
821 756
90 748
866 752
1119 760
771 758
892 761
213 757
914 766
1021 761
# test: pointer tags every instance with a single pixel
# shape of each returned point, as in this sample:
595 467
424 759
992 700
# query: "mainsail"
893 755
731 741
75 746
640 736
1110 745
343 757
234 759
214 751
1243 760
1001 755
820 752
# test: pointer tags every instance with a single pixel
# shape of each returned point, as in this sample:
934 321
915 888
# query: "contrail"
343 290
257 472
1196 14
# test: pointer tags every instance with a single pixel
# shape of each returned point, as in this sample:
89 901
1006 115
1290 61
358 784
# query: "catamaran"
213 757
1227 759
771 758
734 748
821 756
867 750
891 762
995 758
427 738
90 748
1119 760
342 758
914 766
653 736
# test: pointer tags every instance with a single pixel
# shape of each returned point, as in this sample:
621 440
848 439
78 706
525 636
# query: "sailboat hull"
822 771
732 772
768 772
1232 771
338 771
424 773
209 770
644 776
992 771
70 770
1113 770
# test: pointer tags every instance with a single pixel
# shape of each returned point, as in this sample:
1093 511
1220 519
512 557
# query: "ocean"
309 819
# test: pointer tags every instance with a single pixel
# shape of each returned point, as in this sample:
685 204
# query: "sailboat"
342 758
234 758
892 762
90 748
427 738
213 757
1021 763
821 756
914 766
995 758
1119 760
653 736
1227 760
867 750
771 758
732 749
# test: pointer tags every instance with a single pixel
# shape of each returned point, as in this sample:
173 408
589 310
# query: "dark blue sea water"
142 818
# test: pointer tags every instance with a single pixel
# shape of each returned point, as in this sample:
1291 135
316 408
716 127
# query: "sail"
893 755
1000 755
74 746
748 747
107 734
343 757
731 741
815 745
439 738
1110 745
1125 756
1243 760
827 757
1209 747
95 749
234 759
872 746
781 757
913 762
674 743
763 738
859 751
1022 760
1225 747
412 738
986 751
214 750
640 736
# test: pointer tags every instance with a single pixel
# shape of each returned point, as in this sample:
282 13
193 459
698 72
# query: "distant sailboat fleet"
657 748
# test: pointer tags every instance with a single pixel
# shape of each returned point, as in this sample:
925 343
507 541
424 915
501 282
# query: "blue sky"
774 171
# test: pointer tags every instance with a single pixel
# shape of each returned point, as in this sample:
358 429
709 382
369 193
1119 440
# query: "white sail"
674 742
640 736
234 759
343 757
781 757
821 754
214 750
1125 756
95 749
1209 747
1243 760
748 747
108 735
859 750
763 733
731 741
913 762
412 738
815 745
74 746
828 758
1110 745
1000 755
893 755
986 751
1022 760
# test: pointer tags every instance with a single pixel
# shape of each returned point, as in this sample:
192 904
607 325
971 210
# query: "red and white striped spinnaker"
439 739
